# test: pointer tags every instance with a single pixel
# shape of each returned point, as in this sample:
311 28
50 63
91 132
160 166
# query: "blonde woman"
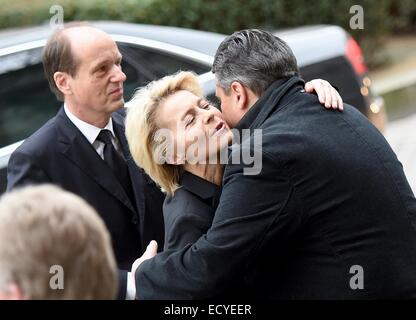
177 136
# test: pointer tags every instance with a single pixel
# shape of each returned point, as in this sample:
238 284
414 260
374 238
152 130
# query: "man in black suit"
84 149
329 213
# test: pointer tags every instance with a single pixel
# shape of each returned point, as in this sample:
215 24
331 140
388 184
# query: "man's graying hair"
255 58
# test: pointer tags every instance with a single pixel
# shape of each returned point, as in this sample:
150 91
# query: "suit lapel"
136 174
78 150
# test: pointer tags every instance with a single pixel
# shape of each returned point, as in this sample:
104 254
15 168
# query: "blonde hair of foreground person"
141 126
44 226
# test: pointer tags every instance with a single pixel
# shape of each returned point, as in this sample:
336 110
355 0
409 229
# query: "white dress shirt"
91 133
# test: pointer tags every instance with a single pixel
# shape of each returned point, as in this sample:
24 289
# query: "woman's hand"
327 94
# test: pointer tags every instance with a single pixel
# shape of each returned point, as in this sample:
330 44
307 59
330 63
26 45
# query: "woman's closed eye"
205 105
189 120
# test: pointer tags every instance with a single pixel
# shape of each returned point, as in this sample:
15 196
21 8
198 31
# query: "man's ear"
239 95
62 81
244 97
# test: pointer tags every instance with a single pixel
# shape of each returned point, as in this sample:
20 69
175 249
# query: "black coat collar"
268 102
205 190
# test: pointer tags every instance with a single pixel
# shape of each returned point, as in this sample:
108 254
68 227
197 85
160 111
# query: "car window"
26 102
339 72
142 65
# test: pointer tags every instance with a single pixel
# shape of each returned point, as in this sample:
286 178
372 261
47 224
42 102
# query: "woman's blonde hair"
141 126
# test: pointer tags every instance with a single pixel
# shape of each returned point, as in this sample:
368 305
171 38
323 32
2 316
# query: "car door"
26 102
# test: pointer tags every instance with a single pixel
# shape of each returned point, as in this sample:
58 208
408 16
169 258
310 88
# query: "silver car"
150 52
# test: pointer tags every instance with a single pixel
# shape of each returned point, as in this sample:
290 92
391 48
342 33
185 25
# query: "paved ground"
401 135
400 73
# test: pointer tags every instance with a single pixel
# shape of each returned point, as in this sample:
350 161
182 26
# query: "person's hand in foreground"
150 252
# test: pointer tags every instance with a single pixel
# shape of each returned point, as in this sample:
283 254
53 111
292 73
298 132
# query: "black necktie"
116 162
111 156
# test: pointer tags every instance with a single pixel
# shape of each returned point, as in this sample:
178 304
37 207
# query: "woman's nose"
208 115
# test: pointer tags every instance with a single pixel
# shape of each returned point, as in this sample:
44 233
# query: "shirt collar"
88 130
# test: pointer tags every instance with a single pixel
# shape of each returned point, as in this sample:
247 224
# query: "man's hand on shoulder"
327 94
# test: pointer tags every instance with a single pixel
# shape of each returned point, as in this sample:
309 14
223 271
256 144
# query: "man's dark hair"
255 58
57 56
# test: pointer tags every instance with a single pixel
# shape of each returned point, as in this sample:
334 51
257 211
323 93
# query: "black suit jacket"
188 214
331 195
59 153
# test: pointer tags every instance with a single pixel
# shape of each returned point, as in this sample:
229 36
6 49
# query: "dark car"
150 52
